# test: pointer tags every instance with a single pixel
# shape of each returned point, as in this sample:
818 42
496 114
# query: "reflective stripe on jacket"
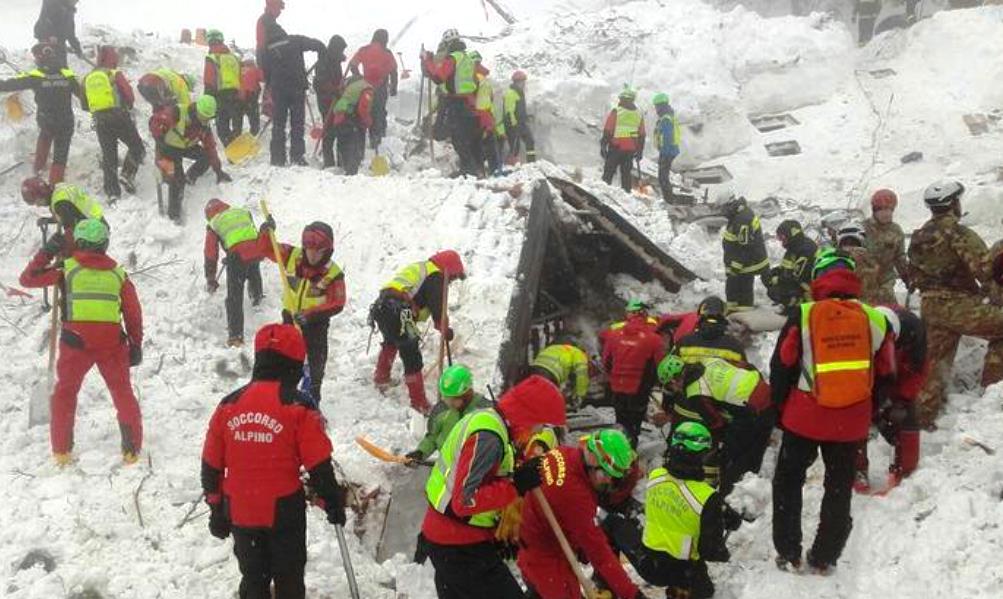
303 294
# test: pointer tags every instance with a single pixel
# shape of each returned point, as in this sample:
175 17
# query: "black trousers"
250 109
288 108
491 151
277 554
630 409
738 290
237 273
379 110
113 126
228 116
315 335
618 159
465 134
56 139
796 455
519 135
176 184
655 567
664 168
396 323
745 442
467 571
351 147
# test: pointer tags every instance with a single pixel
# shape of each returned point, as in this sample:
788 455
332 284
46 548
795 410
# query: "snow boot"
789 564
861 483
56 173
129 458
62 459
381 376
416 390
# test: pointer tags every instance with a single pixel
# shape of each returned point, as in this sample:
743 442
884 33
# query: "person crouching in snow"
683 528
456 386
572 479
315 293
259 438
96 298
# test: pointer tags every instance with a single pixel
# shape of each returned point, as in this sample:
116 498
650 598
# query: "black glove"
527 476
731 518
448 334
269 224
46 220
506 551
301 320
54 244
414 457
335 508
135 354
219 524
421 550
222 177
211 285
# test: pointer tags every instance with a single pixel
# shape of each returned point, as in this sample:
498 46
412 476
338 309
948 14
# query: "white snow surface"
938 534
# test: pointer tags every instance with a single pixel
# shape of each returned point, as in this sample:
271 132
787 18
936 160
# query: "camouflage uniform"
995 289
886 244
868 270
950 265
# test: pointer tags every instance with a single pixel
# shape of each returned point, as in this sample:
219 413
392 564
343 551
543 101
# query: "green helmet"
90 233
627 93
828 259
612 451
456 381
691 436
474 55
660 98
206 107
214 36
669 368
636 305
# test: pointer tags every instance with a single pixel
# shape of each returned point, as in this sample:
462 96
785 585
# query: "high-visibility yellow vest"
68 192
177 84
511 101
40 74
92 295
628 123
839 339
485 99
442 480
725 382
463 74
409 280
227 70
101 91
565 362
303 294
176 136
350 97
233 226
672 509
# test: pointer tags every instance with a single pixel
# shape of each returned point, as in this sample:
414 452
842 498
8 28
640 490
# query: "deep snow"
938 534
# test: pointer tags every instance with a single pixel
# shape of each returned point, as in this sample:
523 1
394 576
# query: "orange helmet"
884 198
214 207
36 191
450 263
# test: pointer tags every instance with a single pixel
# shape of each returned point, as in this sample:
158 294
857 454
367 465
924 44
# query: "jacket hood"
532 402
838 283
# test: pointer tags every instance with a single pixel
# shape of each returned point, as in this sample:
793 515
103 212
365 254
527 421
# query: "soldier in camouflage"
886 244
852 241
951 266
996 289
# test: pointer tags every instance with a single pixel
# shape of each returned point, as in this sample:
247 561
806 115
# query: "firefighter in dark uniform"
790 283
711 338
744 253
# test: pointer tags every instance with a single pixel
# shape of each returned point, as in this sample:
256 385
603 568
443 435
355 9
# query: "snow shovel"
39 404
245 146
587 586
346 561
14 109
379 167
385 456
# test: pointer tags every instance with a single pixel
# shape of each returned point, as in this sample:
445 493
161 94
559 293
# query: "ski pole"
548 513
346 561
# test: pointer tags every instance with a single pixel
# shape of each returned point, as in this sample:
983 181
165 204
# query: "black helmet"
942 194
711 305
788 229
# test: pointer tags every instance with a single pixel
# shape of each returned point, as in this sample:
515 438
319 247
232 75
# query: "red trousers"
549 575
71 367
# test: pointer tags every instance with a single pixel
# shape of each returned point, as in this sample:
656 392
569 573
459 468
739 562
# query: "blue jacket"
667 134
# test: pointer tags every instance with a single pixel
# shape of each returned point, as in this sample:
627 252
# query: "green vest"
512 98
409 280
724 382
442 480
227 70
628 123
676 134
176 136
233 226
100 90
67 192
463 74
92 295
350 97
672 509
177 84
303 294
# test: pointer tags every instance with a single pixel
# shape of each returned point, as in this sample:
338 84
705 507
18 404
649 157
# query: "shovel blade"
13 108
379 167
244 147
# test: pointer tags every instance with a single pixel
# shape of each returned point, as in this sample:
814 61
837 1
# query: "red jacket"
335 297
378 64
799 411
95 335
210 70
258 438
442 72
251 78
625 144
249 250
124 90
167 118
681 324
573 500
631 354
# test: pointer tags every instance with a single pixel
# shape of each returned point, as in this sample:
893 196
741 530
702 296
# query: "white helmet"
450 35
892 318
851 232
942 193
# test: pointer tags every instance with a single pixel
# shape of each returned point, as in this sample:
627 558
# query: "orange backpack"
837 352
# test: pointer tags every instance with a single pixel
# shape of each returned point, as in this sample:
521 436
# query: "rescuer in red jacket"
379 67
96 299
258 439
631 354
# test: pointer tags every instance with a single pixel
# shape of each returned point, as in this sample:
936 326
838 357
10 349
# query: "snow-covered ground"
938 534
